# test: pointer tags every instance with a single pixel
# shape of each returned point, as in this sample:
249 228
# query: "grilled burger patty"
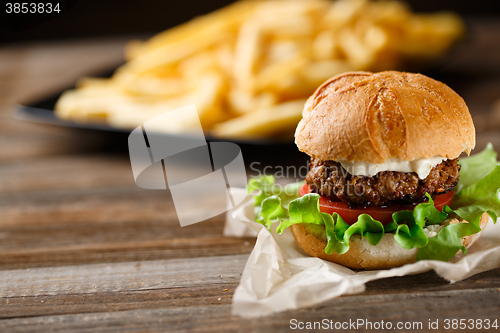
386 188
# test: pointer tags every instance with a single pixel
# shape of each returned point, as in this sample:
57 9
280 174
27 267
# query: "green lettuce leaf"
271 200
335 231
304 210
476 193
470 204
482 197
447 242
474 168
409 233
367 227
270 211
426 213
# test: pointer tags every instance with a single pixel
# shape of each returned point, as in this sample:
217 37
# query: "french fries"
262 123
248 67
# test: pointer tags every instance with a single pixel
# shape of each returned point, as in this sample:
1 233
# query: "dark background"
93 18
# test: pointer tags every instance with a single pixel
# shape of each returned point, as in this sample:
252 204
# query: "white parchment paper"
279 276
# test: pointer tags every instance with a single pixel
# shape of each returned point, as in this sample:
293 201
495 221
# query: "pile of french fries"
250 66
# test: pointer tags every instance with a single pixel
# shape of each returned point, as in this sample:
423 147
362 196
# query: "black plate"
266 152
43 112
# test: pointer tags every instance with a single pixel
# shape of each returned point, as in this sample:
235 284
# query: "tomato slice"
382 214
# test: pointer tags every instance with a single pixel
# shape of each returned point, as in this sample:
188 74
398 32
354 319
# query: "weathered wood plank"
208 294
97 253
127 276
103 225
95 205
188 283
88 209
44 305
74 172
411 307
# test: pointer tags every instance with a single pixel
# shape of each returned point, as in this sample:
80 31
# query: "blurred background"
97 18
42 56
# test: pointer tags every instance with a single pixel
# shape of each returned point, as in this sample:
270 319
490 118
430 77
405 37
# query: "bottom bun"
363 255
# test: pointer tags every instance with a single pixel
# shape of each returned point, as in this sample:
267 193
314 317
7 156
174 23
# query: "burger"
385 185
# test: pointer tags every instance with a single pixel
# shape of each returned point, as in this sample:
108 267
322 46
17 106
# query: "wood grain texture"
128 276
82 249
217 318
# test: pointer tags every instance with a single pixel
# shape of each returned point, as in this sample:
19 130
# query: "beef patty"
386 188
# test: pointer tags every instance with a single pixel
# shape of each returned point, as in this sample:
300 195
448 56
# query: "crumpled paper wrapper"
279 276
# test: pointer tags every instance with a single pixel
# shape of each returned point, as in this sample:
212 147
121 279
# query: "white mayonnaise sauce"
421 166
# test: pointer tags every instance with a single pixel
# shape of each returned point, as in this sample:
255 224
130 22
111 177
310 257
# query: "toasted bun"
363 255
372 117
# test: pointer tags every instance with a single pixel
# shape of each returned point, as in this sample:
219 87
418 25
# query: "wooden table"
82 248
